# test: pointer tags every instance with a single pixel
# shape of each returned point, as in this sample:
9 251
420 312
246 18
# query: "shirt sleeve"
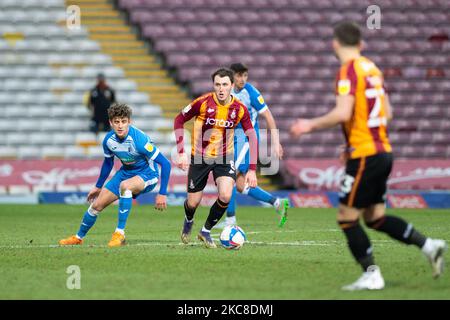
146 147
106 151
346 80
188 112
256 99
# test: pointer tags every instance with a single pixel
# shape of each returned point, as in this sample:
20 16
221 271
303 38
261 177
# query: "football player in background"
137 175
216 116
363 110
256 106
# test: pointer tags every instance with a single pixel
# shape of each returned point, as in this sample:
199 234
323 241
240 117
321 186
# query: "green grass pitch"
307 259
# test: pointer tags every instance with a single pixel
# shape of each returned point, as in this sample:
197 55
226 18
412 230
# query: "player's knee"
225 197
95 208
240 184
193 203
375 224
124 186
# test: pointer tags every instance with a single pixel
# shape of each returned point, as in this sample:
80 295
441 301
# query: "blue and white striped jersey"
253 100
136 151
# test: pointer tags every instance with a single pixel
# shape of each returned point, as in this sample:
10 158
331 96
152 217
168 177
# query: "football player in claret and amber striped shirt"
363 109
216 115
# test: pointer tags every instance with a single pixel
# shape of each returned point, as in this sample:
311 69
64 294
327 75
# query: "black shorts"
198 174
365 180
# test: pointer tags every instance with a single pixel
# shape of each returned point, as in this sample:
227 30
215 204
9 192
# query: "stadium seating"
45 73
287 47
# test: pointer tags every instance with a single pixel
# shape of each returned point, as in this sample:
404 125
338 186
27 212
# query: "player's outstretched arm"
161 198
185 115
108 164
342 112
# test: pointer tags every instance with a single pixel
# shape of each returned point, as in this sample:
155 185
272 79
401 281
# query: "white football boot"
370 280
434 250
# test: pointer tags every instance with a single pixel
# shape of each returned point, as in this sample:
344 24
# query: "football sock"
125 202
398 229
358 243
259 194
216 212
89 218
189 212
231 211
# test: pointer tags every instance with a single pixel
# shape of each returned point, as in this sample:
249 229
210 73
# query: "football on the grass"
232 237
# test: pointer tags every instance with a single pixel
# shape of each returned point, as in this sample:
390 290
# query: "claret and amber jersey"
214 125
366 132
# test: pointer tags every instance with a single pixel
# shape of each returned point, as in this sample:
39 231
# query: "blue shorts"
149 177
242 152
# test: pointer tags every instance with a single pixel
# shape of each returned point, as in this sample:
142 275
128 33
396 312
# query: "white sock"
427 248
276 204
121 231
230 219
205 230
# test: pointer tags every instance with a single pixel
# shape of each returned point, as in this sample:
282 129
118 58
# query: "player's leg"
197 179
361 249
281 205
104 199
230 219
354 197
239 142
399 229
224 187
128 188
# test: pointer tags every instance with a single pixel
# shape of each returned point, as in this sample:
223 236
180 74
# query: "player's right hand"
250 179
93 194
300 127
182 161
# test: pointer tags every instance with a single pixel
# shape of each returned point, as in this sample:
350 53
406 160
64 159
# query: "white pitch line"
162 244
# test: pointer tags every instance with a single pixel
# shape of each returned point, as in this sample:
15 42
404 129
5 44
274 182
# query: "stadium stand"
287 45
45 71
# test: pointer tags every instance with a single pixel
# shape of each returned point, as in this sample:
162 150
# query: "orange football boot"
117 240
71 241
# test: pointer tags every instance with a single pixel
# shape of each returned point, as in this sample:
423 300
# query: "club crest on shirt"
233 114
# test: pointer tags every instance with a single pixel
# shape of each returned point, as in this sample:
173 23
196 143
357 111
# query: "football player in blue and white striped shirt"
137 175
256 106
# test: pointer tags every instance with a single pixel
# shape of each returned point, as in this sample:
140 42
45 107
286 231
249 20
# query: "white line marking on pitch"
162 244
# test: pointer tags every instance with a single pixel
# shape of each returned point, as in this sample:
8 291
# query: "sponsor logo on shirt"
261 99
344 87
149 147
220 123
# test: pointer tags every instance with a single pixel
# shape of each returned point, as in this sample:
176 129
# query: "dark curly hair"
120 110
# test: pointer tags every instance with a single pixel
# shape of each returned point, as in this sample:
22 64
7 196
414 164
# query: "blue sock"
89 218
231 211
261 195
125 202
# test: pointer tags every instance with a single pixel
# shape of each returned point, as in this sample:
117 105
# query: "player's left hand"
250 179
161 202
279 151
300 127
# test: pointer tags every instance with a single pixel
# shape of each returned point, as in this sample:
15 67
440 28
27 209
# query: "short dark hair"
120 110
223 72
347 33
239 67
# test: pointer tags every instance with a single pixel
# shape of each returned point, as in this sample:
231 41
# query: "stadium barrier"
300 198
